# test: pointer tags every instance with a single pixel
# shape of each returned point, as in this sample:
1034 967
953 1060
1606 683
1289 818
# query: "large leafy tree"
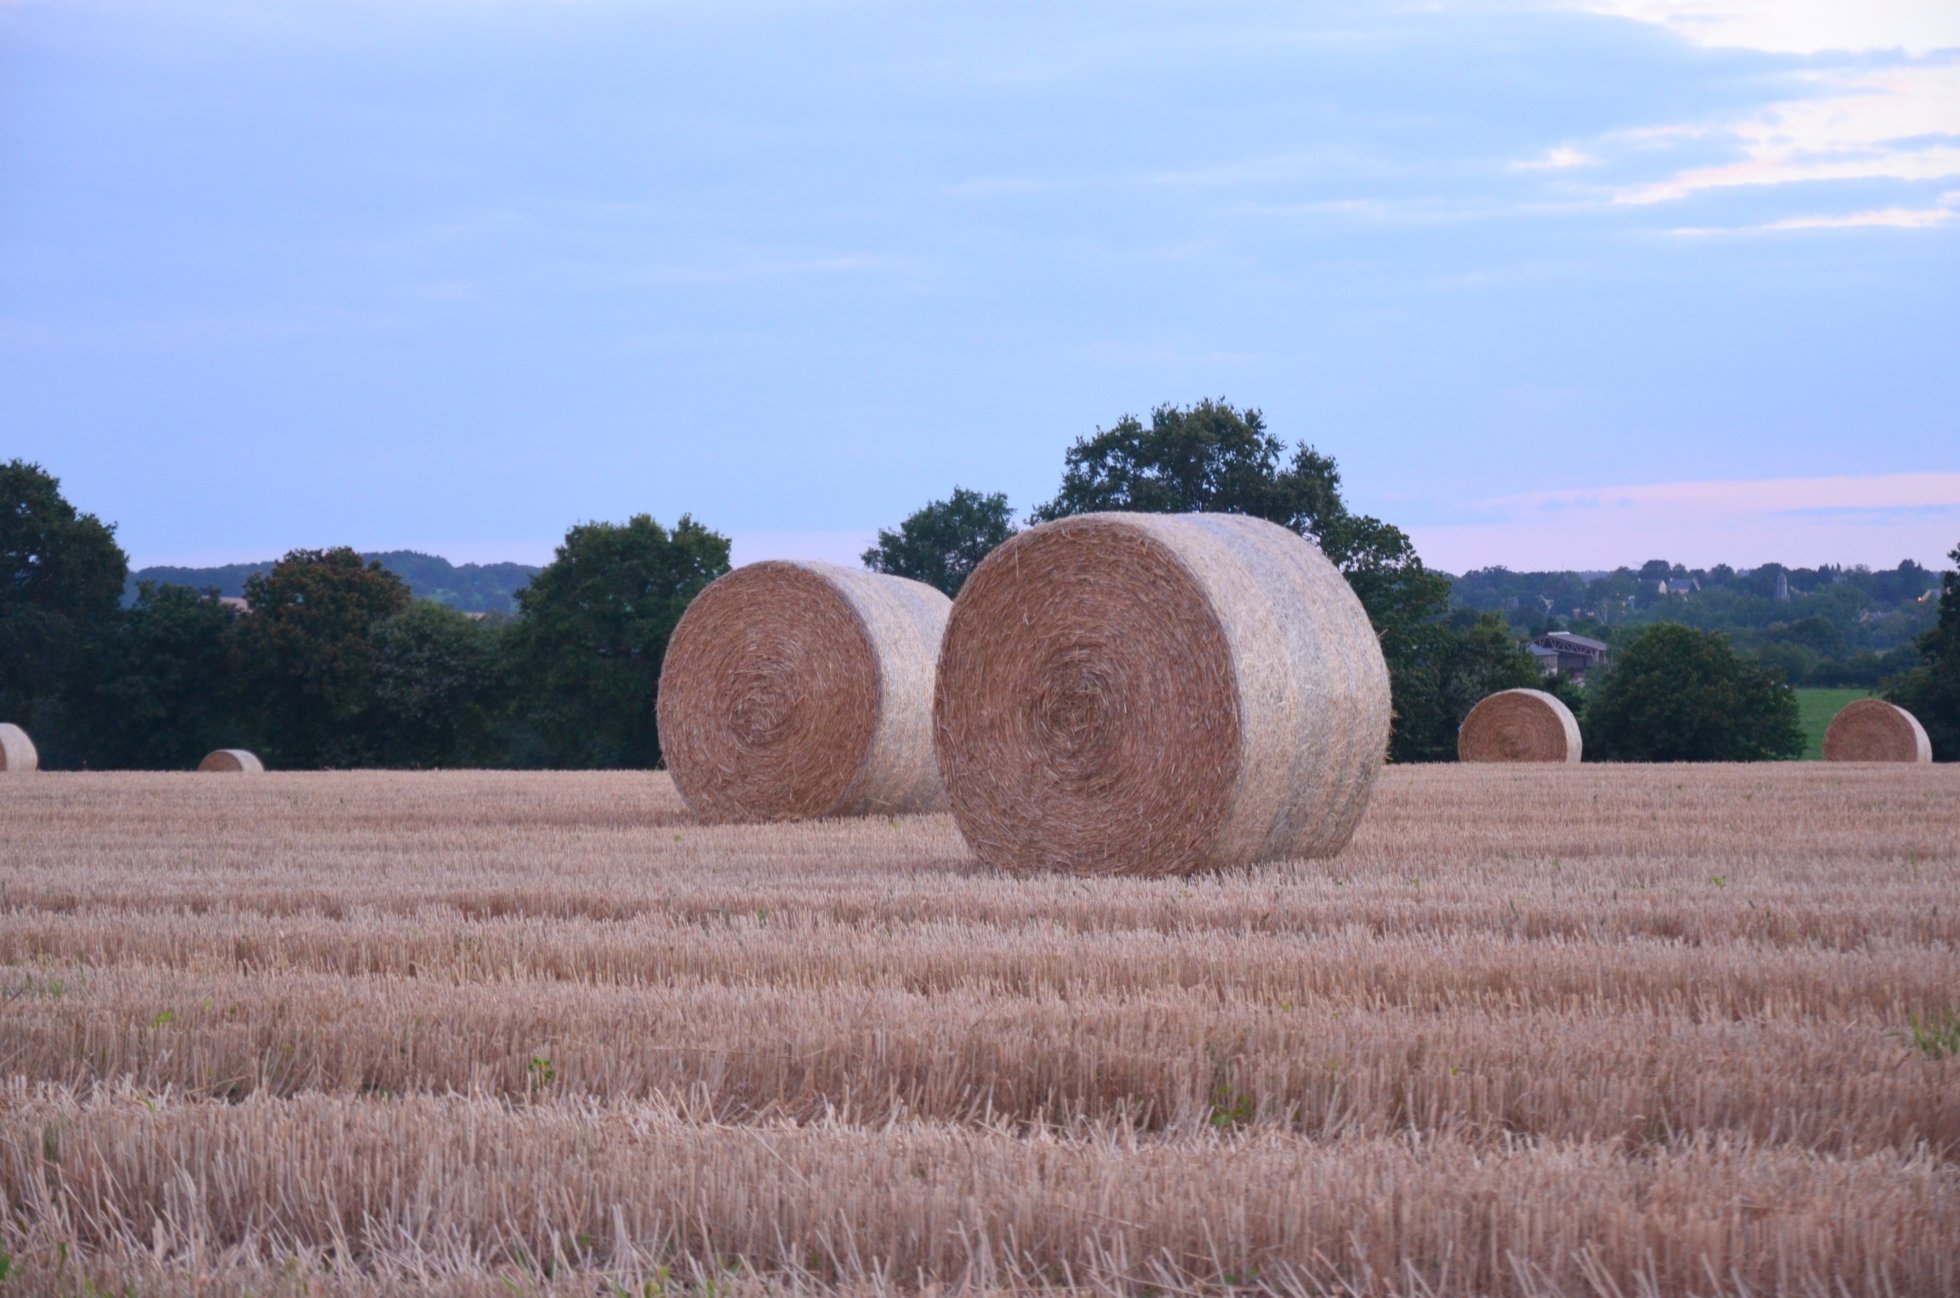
1448 668
1931 691
595 622
1676 694
311 652
61 579
945 541
1213 457
169 685
438 687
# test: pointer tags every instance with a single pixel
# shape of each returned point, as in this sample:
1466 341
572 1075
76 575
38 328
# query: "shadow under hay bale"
17 752
1519 726
795 689
1872 730
1156 694
232 760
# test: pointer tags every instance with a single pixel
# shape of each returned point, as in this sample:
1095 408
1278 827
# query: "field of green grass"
1817 707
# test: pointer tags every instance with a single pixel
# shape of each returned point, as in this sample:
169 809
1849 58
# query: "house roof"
1581 641
1540 651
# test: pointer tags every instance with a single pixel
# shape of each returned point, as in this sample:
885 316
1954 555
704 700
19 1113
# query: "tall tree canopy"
943 542
309 640
1213 457
1931 691
594 628
169 688
1675 694
61 578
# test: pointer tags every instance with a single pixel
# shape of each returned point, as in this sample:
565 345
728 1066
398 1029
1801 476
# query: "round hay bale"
1519 726
17 752
232 760
1872 730
1153 694
795 689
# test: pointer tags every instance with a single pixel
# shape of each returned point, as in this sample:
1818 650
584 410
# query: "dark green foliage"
595 626
1212 457
1676 694
468 587
945 541
311 656
1931 691
167 689
438 689
1447 669
61 576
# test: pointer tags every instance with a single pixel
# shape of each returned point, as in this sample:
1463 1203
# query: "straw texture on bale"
1158 694
794 690
235 760
1519 726
17 752
1872 730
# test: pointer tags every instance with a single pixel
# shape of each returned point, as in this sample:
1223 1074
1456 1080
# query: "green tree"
594 628
438 688
1212 457
942 543
1931 691
61 580
1676 694
167 689
1448 668
310 645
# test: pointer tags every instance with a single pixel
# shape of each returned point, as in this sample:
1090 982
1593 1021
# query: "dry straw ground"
1575 1030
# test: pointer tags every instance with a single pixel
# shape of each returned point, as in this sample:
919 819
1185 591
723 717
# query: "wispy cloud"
1798 26
1894 218
1877 519
1557 159
1896 124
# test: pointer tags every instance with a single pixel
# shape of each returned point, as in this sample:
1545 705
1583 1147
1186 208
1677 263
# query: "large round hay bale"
232 760
1519 726
1872 730
17 752
794 689
1156 694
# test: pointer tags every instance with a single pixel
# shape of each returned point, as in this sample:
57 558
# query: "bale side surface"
1872 730
1519 726
232 760
17 751
1158 694
794 690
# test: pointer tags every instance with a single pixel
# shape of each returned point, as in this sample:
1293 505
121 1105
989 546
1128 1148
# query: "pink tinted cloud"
1875 519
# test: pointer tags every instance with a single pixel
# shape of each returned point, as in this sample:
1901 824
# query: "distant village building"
1547 659
235 601
1575 655
1677 585
1783 588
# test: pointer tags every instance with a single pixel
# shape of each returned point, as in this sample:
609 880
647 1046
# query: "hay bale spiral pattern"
1872 730
1157 694
233 761
794 690
17 751
1519 726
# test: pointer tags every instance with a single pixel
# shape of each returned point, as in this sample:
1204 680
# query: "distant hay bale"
1153 694
1519 726
795 689
234 760
1872 730
17 752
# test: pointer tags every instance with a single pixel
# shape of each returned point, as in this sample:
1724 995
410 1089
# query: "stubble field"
1595 1030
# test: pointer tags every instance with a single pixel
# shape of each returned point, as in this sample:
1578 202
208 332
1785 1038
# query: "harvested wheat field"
1583 1030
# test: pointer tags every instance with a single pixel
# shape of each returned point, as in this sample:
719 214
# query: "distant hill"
470 587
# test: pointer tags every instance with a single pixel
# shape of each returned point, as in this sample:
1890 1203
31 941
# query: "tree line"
336 664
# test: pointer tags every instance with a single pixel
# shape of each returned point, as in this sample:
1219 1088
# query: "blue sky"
1558 284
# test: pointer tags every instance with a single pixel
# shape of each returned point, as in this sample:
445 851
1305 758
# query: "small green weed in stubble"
1935 1036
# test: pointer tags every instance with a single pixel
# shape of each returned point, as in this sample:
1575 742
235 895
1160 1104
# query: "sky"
1560 284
